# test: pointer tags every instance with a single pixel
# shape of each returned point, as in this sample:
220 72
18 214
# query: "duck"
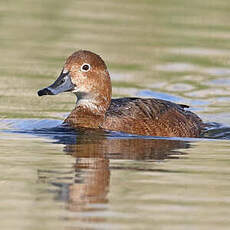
86 75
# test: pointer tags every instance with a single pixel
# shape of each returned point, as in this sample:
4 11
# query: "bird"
86 75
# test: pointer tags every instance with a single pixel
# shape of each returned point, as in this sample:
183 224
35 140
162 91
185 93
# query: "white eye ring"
85 67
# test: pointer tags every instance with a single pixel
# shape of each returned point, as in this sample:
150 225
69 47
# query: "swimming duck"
85 74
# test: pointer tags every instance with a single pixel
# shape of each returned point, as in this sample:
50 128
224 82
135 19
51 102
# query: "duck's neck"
89 111
96 103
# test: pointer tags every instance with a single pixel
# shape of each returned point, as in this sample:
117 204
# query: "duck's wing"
151 117
183 106
142 107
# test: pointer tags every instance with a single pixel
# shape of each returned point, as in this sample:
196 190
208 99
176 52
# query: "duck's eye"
85 67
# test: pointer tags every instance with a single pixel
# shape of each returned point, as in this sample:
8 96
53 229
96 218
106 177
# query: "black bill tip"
44 91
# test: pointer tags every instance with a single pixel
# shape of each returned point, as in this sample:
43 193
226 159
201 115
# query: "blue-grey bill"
62 84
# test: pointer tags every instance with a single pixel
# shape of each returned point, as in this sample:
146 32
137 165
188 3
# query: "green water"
56 179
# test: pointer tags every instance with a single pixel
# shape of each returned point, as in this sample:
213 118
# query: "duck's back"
153 117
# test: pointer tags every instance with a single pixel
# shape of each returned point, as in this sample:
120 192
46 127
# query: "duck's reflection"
93 152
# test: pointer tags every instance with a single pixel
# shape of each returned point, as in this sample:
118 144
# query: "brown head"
86 75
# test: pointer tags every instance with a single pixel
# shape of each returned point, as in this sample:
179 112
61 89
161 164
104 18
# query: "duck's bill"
62 84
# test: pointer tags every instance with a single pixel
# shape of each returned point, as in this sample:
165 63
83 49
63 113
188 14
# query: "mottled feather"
151 117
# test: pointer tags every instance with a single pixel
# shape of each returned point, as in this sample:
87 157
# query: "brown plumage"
153 117
86 75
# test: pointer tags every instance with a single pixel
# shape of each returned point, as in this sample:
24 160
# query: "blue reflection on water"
169 97
60 133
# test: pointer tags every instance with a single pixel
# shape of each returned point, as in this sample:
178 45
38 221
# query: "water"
53 177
